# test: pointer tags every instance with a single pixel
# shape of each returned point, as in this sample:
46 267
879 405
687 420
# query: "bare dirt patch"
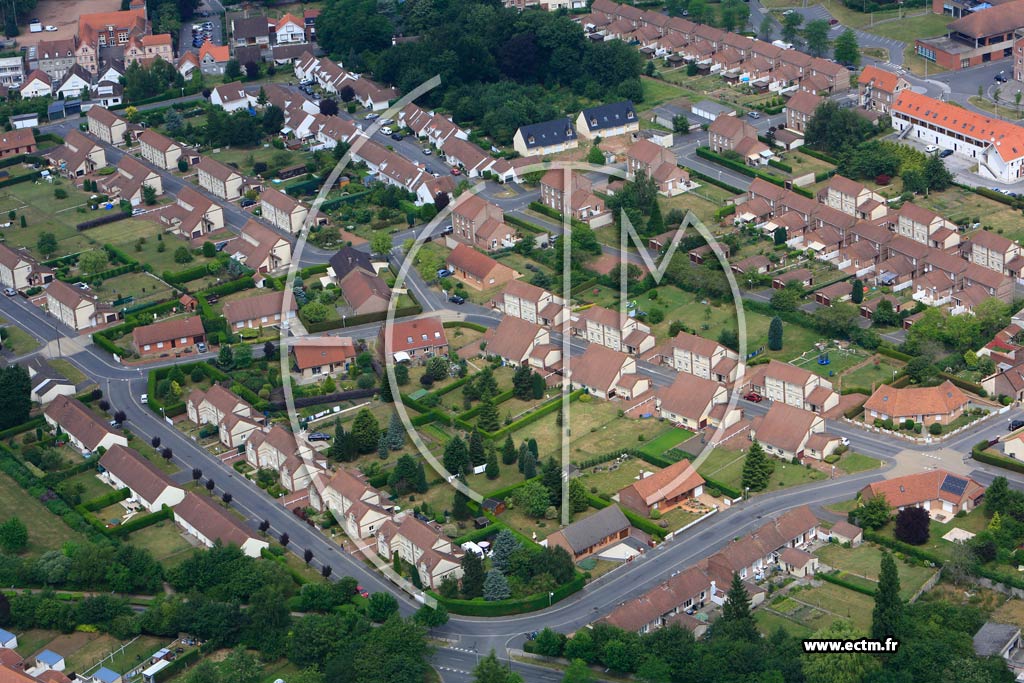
56 13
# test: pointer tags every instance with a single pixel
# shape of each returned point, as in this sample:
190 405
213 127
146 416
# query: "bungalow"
282 211
759 264
595 534
233 416
664 491
365 292
209 523
257 312
544 139
106 125
219 179
131 178
608 120
924 405
695 403
844 532
669 603
799 563
606 373
123 467
292 457
1000 640
416 339
579 201
231 97
17 141
520 299
159 150
798 387
84 429
260 248
47 382
793 434
599 325
687 353
479 223
422 545
76 308
317 357
938 491
478 270
172 335
800 275
360 508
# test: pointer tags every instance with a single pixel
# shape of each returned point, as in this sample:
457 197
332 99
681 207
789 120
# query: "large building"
997 146
983 35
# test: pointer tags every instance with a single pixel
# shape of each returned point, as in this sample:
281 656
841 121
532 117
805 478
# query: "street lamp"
746 493
551 596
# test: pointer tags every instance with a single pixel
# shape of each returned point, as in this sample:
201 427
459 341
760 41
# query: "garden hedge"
713 181
498 608
832 577
479 534
112 217
556 215
964 384
982 455
356 320
520 223
780 165
454 324
546 409
177 665
20 179
803 149
107 499
724 488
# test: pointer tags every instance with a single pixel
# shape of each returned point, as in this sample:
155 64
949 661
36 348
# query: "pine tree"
395 433
421 478
472 576
524 455
857 293
775 334
496 586
477 456
488 419
505 545
522 387
460 506
492 471
529 465
578 501
508 452
736 618
382 447
655 224
888 612
336 451
537 386
385 390
365 431
757 468
456 457
532 444
551 477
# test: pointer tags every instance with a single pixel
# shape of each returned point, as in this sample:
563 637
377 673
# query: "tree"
533 498
381 606
488 418
197 474
529 462
835 130
92 261
508 451
15 396
490 670
852 667
655 224
887 615
456 456
227 498
857 292
346 94
365 432
226 358
472 575
13 536
884 314
210 485
149 195
460 505
477 453
766 29
787 298
273 120
46 244
328 107
549 643
736 618
182 255
578 500
816 37
595 156
505 545
780 235
912 525
757 468
232 70
551 478
996 496
522 385
845 49
791 27
578 672
396 433
252 72
936 175
775 334
492 471
496 586
408 475
431 616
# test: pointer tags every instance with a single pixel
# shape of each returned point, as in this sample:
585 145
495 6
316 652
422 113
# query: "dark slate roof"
610 115
348 259
548 133
248 53
253 27
992 638
589 531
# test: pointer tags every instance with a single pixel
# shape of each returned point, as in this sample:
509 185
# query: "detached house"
518 342
606 373
282 211
531 303
793 386
76 308
478 270
793 434
107 126
234 417
36 84
653 160
479 223
316 357
593 534
19 270
77 156
664 490
578 201
607 120
124 468
924 405
219 179
83 428
209 523
231 97
257 312
260 248
423 546
159 150
413 340
173 335
128 182
213 59
543 139
938 491
17 141
193 215
290 29
696 403
800 109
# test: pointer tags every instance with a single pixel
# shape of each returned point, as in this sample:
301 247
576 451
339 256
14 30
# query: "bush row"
724 488
780 165
740 167
803 149
713 181
964 384
7 182
356 320
454 324
107 499
498 608
524 225
556 214
833 577
112 216
981 454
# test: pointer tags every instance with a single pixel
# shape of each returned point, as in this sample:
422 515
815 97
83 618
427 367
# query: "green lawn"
34 640
837 602
45 213
657 92
851 463
18 341
273 157
865 562
769 622
46 531
164 541
726 466
922 26
839 360
126 235
670 438
65 368
879 371
975 522
92 487
143 287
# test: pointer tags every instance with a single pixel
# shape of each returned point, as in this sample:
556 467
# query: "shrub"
934 429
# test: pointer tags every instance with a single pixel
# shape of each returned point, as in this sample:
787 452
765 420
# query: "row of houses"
333 77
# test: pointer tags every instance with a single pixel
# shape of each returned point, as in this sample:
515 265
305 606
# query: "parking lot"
214 21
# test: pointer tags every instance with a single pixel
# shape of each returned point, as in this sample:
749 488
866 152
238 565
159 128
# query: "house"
105 675
672 602
321 356
8 641
423 546
219 179
257 312
209 523
478 270
800 109
664 490
282 211
17 141
758 264
531 303
799 563
479 223
702 357
365 292
843 532
518 342
108 93
260 248
231 97
711 111
48 660
124 468
594 534
726 132
290 29
800 388
172 335
187 65
371 95
292 457
992 251
159 150
19 270
193 215
233 416
579 202
413 339
543 139
648 158
131 178
925 227
853 199
12 71
250 31
75 307
360 508
84 429
109 30
75 82
924 405
1000 640
106 125
938 491
877 88
695 403
607 120
599 325
793 434
607 374
753 555
213 59
47 383
37 84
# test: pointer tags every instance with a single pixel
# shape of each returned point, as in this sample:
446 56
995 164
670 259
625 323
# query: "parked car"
362 592
1001 77
427 151
931 148
82 286
10 291
754 114
456 299
397 136
844 441
833 22
51 28
144 399
443 272
1016 424
456 171
319 436
754 397
371 116
447 230
201 347
945 153
386 130
248 202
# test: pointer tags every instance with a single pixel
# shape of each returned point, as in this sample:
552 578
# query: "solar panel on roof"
953 485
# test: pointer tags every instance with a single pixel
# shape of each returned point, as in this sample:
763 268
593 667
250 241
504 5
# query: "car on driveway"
371 116
753 397
931 148
386 130
456 171
945 153
443 272
201 346
456 299
427 152
319 436
397 136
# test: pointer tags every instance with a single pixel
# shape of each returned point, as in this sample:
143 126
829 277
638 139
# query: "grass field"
657 93
918 65
975 522
99 649
921 26
164 541
46 531
838 361
92 487
961 206
879 371
670 438
45 213
65 368
142 287
726 466
127 233
865 562
18 341
836 602
851 463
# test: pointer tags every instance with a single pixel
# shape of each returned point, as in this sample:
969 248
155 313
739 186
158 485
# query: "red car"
753 396
362 592
456 171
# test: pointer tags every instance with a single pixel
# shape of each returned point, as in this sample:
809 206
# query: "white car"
386 130
844 441
51 28
931 148
144 398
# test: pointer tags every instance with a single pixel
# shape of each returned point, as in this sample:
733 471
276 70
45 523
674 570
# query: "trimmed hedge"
832 577
894 354
498 608
724 488
525 225
803 149
177 665
356 320
479 534
781 166
900 546
112 217
964 384
17 180
546 409
186 275
641 523
454 324
713 181
39 421
142 522
107 499
556 215
997 460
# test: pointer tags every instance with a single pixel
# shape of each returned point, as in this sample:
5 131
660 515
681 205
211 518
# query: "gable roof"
1007 138
784 426
19 137
512 338
910 401
591 530
220 54
547 133
256 307
313 352
166 330
360 287
804 102
688 396
157 141
416 334
347 259
135 472
609 115
598 367
211 520
913 489
670 482
76 419
468 259
220 171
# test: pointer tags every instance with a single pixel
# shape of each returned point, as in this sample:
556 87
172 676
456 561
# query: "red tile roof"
1007 138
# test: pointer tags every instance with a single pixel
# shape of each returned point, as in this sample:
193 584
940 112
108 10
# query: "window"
146 347
184 340
159 345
